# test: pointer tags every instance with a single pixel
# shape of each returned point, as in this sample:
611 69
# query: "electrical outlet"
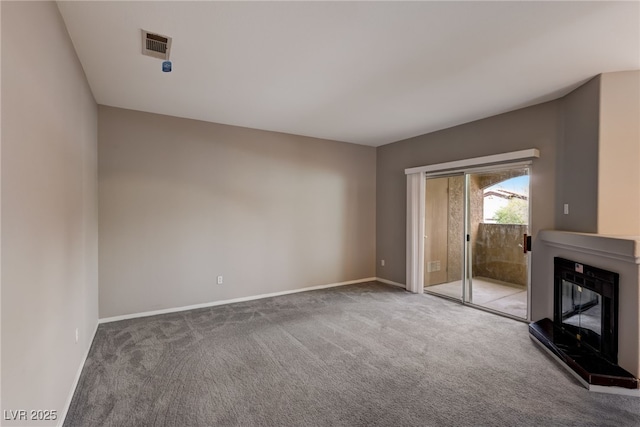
382 262
219 280
76 335
566 208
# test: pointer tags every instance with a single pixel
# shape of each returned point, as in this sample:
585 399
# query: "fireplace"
584 331
586 306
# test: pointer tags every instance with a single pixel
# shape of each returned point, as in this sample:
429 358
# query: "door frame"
416 197
468 252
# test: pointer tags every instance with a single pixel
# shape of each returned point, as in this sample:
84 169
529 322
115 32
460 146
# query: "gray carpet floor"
358 355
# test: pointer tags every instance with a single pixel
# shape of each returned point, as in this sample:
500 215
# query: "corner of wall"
49 210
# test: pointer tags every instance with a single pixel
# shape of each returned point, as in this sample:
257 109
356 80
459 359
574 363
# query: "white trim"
591 387
622 248
480 169
531 153
416 184
65 409
229 301
390 282
615 390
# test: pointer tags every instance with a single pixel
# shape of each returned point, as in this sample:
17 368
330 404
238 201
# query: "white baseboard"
389 282
230 301
67 404
615 390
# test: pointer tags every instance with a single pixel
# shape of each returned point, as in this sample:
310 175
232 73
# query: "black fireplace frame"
603 282
593 361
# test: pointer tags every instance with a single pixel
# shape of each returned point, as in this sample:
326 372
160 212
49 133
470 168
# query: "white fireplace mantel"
623 248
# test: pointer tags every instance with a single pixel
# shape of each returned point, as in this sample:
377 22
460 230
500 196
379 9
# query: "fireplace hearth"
584 331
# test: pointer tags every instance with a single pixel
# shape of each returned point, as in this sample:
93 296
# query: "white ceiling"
363 72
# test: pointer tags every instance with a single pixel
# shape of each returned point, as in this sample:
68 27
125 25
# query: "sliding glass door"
444 236
497 228
476 229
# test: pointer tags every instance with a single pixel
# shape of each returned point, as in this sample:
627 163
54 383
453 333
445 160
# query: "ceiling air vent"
156 45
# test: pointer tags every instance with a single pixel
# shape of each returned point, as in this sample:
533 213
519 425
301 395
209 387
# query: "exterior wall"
49 211
498 253
436 231
476 215
456 228
183 201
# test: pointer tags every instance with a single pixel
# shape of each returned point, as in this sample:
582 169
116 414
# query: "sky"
519 184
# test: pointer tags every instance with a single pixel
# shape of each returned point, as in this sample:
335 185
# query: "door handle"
524 243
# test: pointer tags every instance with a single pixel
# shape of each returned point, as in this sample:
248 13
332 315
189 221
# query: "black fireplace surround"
584 332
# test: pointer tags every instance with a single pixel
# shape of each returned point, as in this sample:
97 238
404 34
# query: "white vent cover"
156 45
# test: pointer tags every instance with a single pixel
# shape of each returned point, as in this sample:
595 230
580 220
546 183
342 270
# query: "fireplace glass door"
586 306
582 312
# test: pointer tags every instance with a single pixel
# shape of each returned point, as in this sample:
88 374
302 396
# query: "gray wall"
533 127
598 156
578 159
49 210
183 201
